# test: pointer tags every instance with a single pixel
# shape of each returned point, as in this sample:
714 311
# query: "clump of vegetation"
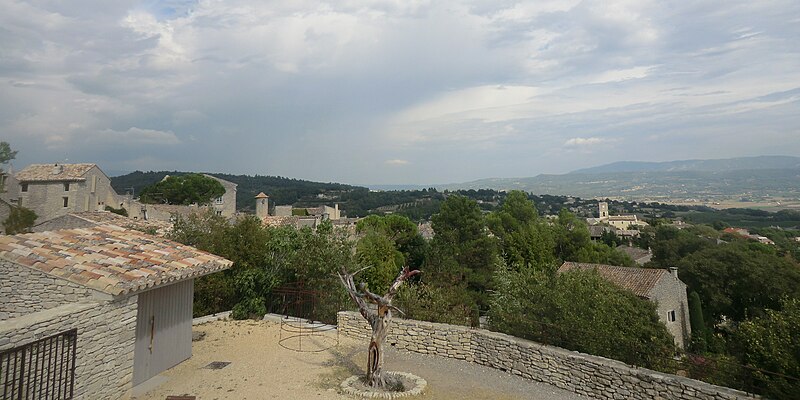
20 220
183 190
119 211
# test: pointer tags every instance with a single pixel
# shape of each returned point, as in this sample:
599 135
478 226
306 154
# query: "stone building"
128 294
620 222
657 285
224 205
53 190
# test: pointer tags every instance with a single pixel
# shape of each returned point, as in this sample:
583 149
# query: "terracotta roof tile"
53 172
640 281
109 258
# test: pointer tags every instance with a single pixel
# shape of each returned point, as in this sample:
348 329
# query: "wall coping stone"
44 316
618 367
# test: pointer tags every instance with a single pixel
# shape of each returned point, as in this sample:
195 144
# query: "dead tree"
378 319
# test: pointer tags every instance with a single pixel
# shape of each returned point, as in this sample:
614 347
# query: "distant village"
78 195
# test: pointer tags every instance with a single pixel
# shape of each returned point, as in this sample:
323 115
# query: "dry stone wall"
105 346
580 373
26 290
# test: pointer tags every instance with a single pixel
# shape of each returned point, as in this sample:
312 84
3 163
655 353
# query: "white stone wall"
26 290
580 373
105 345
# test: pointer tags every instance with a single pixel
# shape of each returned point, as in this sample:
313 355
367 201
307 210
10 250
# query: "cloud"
590 141
396 162
136 137
470 89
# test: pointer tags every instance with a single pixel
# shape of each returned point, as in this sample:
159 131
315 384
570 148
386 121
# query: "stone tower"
262 205
603 210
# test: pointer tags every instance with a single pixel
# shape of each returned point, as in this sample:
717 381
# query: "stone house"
657 285
638 255
224 205
53 190
124 295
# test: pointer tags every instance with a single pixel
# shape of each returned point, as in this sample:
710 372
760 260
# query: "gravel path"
261 369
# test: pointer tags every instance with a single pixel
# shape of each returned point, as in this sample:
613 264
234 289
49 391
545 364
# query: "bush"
20 220
581 311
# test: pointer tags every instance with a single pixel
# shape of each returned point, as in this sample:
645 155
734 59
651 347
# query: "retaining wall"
580 373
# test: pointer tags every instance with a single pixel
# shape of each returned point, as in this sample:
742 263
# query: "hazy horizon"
397 93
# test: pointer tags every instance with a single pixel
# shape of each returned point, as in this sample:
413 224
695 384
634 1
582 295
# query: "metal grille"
44 369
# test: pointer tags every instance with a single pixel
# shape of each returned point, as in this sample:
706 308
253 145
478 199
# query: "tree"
581 311
183 190
401 231
771 343
20 220
461 250
524 240
378 319
699 343
739 280
6 155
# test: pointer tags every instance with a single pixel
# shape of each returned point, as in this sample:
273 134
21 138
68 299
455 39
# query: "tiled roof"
640 281
635 252
106 217
53 172
110 259
272 220
261 195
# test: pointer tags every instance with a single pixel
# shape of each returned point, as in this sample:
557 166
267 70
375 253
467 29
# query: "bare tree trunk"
378 320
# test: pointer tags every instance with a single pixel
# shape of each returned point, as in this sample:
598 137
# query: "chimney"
57 169
674 271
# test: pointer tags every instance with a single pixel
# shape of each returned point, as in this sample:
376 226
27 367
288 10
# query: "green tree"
579 310
524 240
401 231
183 189
376 252
20 220
739 280
771 343
698 323
461 248
571 235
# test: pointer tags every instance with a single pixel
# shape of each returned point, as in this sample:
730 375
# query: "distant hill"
654 185
718 165
280 190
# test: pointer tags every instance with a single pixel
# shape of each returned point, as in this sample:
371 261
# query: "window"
66 201
66 186
671 316
24 187
219 212
219 200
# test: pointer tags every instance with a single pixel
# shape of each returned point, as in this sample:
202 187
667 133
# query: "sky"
397 92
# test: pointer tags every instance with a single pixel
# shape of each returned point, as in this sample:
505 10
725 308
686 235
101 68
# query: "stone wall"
105 345
26 290
580 373
670 295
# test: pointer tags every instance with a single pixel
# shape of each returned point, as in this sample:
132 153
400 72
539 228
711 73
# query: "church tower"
603 210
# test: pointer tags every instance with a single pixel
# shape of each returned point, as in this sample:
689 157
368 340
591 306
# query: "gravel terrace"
262 369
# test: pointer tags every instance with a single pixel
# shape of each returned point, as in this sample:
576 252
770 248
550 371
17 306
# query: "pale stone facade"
53 190
584 374
36 305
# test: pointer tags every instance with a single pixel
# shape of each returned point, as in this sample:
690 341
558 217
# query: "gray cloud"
349 91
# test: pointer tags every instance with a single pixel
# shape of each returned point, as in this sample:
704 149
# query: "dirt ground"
260 368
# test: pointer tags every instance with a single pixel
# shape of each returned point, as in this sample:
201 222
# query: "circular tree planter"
412 385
